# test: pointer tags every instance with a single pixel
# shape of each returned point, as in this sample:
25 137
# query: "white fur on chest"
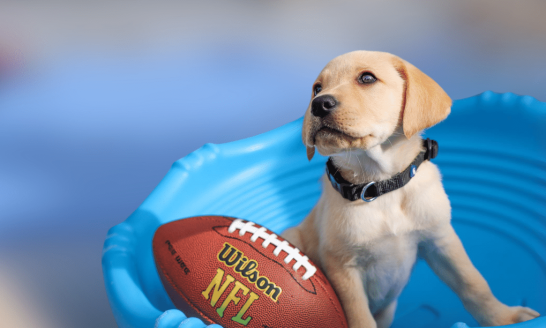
380 238
360 223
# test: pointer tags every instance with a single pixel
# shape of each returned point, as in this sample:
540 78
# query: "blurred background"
98 99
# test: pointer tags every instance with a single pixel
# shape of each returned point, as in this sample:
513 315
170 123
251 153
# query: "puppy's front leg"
347 282
445 254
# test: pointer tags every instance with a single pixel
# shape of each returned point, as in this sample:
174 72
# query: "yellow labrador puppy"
383 202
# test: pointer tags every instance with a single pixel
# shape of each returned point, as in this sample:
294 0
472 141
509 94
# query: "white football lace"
293 253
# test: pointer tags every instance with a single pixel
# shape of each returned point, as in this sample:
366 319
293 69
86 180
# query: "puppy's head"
361 97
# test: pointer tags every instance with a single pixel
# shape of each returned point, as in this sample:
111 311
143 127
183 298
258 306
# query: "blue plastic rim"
493 161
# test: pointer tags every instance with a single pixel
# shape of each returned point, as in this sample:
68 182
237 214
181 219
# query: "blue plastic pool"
493 160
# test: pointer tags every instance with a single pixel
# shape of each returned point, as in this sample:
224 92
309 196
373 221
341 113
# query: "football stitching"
314 291
260 232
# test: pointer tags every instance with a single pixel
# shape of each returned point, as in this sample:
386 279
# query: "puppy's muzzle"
323 105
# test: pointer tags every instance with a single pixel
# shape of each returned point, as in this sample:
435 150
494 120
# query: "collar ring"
367 200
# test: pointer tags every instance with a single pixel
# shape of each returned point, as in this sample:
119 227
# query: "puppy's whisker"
390 142
360 164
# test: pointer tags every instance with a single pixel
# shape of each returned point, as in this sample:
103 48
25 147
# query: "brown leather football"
239 274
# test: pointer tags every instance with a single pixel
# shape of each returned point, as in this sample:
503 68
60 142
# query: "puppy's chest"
369 224
383 243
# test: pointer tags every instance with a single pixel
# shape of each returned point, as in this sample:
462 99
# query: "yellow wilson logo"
232 257
248 269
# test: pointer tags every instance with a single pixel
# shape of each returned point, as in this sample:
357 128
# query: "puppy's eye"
317 89
367 78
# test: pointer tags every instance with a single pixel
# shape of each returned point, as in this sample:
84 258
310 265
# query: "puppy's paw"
521 314
511 315
507 315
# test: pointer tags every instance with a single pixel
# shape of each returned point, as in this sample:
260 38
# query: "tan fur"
425 103
368 250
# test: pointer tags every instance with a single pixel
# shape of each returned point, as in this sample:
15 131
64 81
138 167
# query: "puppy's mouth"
330 139
327 132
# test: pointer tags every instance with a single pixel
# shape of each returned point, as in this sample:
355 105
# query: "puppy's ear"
424 102
310 152
305 131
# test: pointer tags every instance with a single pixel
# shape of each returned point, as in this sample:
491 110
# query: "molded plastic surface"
493 160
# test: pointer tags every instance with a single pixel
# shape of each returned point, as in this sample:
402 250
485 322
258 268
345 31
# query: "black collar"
371 190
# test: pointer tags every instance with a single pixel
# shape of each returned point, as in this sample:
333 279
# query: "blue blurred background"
98 99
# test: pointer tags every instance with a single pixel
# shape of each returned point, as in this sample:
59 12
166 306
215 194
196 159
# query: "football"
238 274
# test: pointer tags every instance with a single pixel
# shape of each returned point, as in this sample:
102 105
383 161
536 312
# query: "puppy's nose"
323 105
